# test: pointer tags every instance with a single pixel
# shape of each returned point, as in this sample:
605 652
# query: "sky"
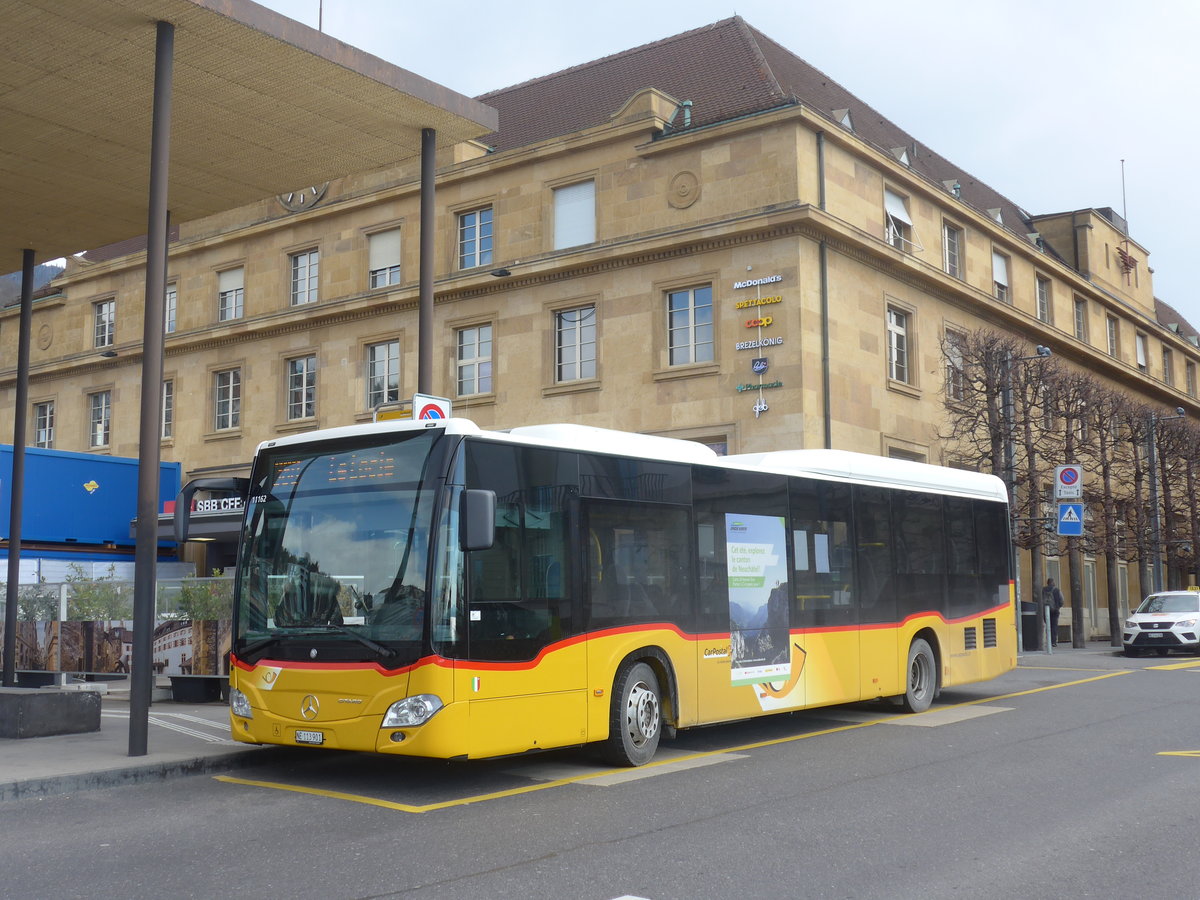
1040 100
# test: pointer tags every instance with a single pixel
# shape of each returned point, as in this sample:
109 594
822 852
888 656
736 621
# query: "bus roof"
863 468
833 465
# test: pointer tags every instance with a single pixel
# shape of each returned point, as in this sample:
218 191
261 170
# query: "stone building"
703 237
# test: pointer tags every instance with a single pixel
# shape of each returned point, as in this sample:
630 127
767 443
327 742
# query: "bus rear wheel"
635 724
921 683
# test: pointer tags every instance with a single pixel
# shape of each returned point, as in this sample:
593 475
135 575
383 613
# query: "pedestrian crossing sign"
1070 519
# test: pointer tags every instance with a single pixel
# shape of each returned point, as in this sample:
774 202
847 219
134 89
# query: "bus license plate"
310 737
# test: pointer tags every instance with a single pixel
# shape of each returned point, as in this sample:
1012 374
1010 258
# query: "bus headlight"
239 704
411 711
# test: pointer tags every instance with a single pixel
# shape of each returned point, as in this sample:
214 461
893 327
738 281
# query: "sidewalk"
182 739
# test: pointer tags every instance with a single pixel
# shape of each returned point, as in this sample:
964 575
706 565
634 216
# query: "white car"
1166 621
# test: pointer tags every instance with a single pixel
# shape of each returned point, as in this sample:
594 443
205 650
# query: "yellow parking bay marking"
1191 664
728 753
1179 753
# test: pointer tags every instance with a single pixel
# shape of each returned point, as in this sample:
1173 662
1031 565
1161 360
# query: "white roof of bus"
839 465
863 468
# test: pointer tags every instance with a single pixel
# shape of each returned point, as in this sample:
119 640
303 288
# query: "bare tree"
1111 459
995 403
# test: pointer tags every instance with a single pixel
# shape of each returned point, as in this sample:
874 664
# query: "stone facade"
792 195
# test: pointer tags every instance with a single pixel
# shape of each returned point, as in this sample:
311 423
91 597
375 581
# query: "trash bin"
1030 630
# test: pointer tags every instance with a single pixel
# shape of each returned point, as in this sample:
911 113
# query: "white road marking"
947 716
564 771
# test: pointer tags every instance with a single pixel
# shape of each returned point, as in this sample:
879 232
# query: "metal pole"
150 433
17 479
425 304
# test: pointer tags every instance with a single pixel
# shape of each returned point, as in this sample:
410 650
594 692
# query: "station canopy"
261 105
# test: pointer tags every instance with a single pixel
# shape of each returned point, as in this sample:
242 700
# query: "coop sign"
218 505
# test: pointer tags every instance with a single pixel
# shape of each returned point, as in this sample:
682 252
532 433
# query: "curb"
55 785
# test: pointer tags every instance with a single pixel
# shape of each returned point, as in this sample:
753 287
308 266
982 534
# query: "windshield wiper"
365 641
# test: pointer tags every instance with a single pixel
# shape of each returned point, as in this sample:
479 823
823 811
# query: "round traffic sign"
1068 476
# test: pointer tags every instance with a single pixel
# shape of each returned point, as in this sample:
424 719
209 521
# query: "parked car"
1166 621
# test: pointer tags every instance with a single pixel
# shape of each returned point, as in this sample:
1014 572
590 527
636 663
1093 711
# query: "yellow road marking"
607 773
1193 664
1179 753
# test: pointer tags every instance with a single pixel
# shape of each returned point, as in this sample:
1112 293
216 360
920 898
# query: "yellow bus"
432 589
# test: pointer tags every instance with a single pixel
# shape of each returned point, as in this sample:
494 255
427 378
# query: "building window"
1114 343
104 323
575 344
168 410
1190 374
1000 277
956 377
170 306
1141 351
43 425
1081 329
1168 366
897 333
383 258
475 360
952 240
1045 312
231 294
475 238
99 418
301 388
690 326
898 227
305 270
383 373
574 215
228 399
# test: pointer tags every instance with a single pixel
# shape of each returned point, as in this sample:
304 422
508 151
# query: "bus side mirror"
477 520
183 502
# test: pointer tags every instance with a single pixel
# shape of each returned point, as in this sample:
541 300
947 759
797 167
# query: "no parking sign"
1068 482
428 407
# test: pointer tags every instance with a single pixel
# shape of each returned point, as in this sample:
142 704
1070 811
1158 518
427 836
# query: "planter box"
26 712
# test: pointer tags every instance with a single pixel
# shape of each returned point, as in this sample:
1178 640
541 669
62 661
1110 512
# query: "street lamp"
1010 475
1156 574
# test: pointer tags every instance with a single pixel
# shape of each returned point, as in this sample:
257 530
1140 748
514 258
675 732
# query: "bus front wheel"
921 682
635 725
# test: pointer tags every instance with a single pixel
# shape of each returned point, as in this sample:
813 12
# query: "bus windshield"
336 550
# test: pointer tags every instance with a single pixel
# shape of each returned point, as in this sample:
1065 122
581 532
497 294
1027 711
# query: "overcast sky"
1041 99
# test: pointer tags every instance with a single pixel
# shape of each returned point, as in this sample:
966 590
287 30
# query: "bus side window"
518 590
639 563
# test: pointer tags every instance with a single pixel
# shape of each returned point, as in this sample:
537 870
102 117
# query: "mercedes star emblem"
309 707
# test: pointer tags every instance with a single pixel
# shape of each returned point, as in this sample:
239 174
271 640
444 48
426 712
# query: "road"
1070 777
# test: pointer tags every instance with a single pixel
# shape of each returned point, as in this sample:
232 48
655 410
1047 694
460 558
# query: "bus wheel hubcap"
643 714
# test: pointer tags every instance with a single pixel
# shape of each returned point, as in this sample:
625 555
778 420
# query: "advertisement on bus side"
758 602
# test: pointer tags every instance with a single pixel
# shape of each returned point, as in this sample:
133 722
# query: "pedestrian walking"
1053 599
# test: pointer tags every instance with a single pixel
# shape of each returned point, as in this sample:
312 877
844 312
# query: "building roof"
727 70
261 105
